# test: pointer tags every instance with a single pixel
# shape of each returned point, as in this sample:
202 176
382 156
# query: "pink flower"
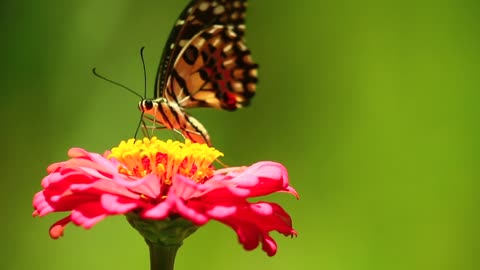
158 180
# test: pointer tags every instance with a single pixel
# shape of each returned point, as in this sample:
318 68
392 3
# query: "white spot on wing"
241 46
227 48
218 10
199 43
183 42
216 41
203 6
237 87
229 63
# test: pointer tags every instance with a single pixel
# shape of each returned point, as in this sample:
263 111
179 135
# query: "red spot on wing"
230 100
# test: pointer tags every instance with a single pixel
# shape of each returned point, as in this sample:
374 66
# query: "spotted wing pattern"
206 62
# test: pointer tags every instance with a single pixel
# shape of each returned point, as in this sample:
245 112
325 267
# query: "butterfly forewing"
197 16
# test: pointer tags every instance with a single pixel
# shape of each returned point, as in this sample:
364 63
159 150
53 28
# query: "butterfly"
205 63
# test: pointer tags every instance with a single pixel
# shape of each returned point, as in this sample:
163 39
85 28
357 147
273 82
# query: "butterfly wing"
206 62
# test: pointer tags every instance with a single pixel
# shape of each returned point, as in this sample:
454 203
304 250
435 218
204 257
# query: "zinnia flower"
152 180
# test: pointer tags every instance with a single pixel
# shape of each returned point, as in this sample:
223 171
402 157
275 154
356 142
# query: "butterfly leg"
224 165
149 130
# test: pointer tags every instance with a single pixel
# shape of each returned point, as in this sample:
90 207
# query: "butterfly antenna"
94 70
144 73
142 122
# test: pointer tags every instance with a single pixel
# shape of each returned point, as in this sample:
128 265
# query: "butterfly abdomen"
172 116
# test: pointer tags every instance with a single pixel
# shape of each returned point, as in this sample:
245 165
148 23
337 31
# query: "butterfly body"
205 64
173 116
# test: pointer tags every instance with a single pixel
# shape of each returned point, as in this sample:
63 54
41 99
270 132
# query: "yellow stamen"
165 159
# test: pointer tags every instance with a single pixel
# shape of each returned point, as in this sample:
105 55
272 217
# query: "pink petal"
118 205
56 230
88 214
269 245
219 212
161 210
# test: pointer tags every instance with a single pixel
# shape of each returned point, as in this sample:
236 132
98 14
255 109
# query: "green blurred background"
371 105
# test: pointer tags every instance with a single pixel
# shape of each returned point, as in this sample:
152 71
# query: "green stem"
162 257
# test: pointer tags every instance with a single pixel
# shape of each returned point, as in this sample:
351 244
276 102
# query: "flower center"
165 159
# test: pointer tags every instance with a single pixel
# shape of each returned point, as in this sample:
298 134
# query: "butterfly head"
146 105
